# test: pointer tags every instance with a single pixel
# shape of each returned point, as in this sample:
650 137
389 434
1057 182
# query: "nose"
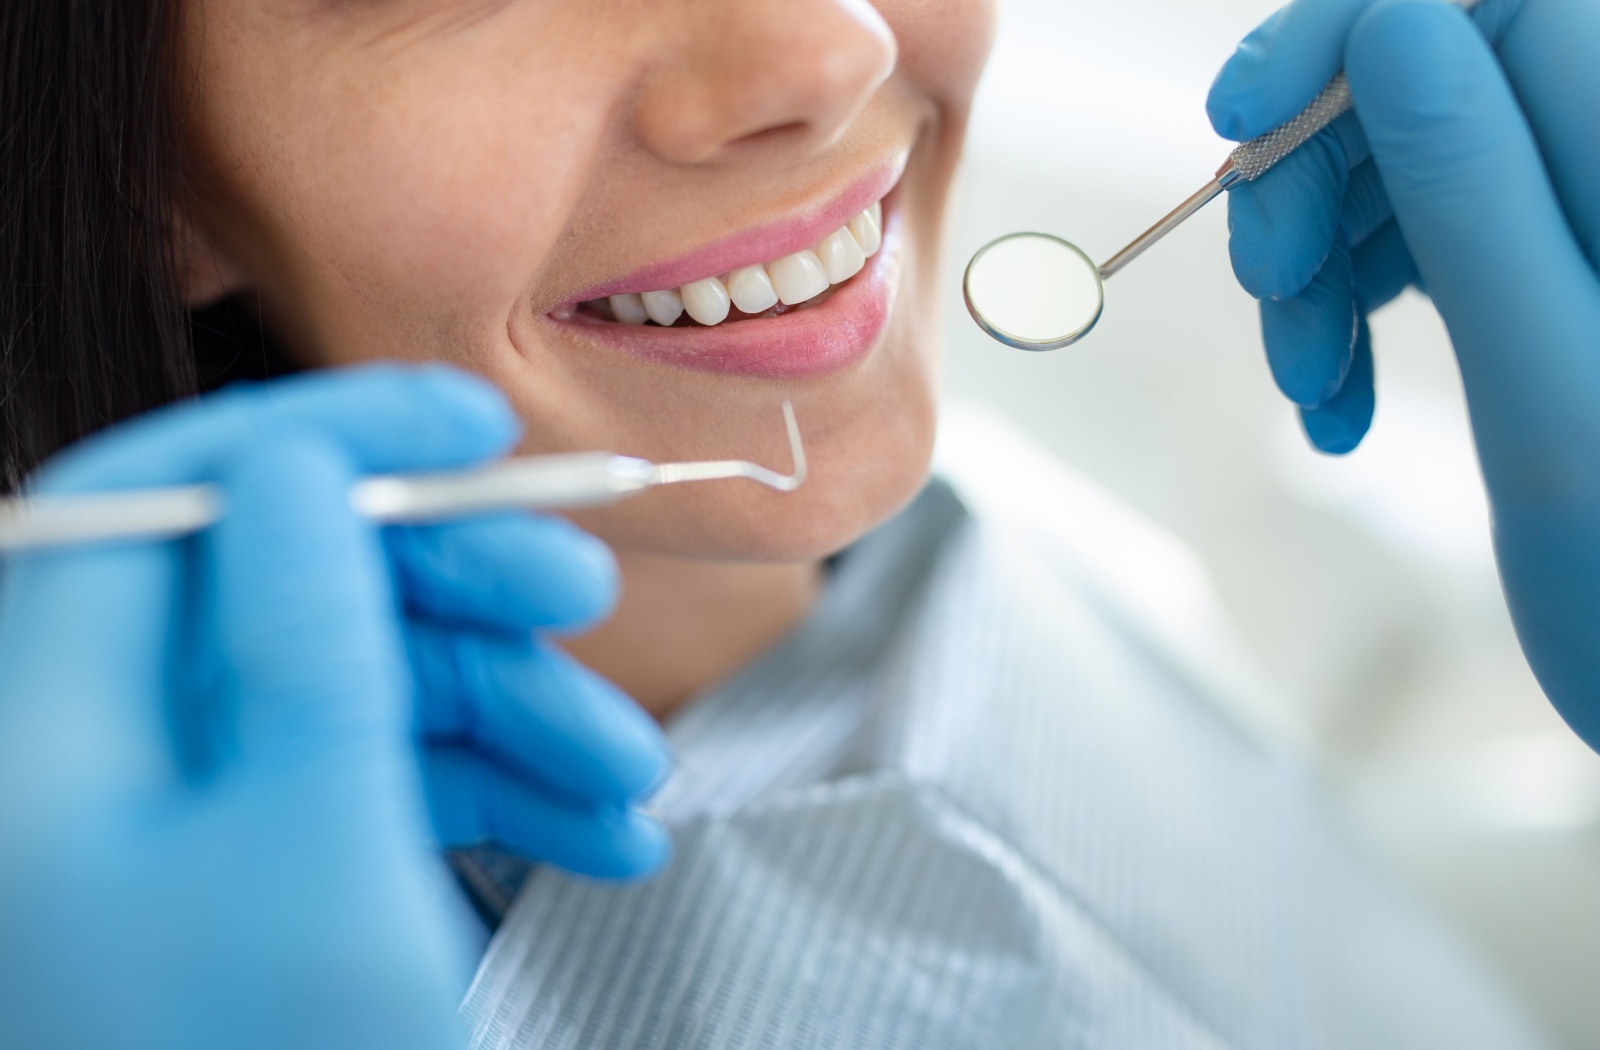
738 71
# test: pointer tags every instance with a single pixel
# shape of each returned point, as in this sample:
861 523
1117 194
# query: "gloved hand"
1468 169
214 809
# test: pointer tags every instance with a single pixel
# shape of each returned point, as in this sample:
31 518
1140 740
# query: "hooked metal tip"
674 473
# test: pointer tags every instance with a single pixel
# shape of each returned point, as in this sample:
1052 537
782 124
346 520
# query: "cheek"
943 45
442 207
399 204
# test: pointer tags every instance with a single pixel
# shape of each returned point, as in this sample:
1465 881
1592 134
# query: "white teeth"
842 258
629 309
867 229
752 290
792 280
798 277
664 308
707 301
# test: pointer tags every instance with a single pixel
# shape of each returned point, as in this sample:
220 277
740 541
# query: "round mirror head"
1034 291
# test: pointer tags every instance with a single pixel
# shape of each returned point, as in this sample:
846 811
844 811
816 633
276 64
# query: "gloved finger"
94 628
298 598
1383 268
506 572
1366 207
1549 53
473 801
1282 226
538 712
1338 425
1280 67
1311 337
84 638
389 417
1469 188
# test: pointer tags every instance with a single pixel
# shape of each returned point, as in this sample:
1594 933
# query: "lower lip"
806 343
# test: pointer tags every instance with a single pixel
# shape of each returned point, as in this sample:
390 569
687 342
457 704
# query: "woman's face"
471 181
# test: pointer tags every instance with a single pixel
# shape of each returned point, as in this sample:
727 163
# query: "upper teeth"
756 289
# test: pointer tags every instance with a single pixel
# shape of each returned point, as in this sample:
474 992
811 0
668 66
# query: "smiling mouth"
798 281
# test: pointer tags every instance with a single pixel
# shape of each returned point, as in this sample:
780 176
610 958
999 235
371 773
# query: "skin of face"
429 179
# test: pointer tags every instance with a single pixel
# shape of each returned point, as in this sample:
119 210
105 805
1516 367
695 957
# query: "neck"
682 626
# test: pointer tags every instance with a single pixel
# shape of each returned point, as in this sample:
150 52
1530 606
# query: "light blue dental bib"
1001 790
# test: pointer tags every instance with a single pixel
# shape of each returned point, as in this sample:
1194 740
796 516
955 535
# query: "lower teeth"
600 310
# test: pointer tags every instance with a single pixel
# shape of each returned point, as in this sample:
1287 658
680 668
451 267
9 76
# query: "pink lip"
761 245
808 343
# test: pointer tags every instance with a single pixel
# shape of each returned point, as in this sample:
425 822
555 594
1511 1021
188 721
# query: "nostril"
791 130
762 71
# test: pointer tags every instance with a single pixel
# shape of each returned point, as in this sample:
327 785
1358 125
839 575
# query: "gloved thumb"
300 602
1462 170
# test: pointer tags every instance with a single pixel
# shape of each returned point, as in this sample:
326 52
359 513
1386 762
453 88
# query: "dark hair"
91 329
92 324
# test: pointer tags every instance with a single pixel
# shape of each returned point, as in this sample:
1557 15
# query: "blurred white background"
1365 585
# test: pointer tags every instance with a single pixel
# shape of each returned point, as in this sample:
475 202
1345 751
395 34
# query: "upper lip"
761 244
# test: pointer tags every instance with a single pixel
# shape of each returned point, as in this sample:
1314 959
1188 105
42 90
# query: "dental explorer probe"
1005 279
566 481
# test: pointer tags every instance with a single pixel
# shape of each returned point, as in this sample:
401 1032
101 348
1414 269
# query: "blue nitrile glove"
214 809
1471 169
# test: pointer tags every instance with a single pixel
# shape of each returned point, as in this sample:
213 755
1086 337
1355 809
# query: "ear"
205 272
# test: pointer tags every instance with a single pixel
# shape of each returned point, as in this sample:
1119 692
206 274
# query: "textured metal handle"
1256 157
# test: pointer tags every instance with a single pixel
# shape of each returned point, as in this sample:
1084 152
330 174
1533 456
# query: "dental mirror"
1033 291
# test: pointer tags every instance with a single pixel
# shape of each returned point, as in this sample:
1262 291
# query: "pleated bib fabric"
1004 788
